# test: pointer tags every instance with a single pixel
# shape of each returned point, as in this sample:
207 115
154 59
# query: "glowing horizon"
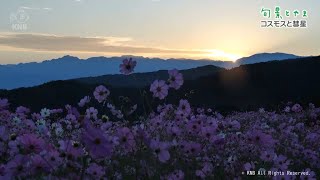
210 29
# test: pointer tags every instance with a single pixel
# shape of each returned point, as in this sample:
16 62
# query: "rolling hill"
242 88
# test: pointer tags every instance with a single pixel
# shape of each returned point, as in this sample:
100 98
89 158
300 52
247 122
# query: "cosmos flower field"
174 141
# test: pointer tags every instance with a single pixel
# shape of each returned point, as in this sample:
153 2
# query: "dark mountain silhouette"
241 88
68 67
265 57
141 80
262 84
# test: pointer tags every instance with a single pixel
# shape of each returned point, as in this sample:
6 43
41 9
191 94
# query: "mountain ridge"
264 57
70 67
71 57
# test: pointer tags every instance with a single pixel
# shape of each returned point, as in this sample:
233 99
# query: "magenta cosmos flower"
96 143
126 138
18 166
127 66
101 93
31 143
159 88
175 79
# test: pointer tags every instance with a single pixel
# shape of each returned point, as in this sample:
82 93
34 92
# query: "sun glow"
218 54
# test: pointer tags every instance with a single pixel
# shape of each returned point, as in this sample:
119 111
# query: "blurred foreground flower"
127 66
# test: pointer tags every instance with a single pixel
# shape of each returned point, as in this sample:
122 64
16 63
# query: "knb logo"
251 173
19 20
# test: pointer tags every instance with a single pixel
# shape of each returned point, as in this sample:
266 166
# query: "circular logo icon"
22 16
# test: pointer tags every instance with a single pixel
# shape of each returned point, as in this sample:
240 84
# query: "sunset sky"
211 29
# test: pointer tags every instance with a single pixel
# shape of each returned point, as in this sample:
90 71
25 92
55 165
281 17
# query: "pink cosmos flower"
3 103
249 166
72 118
296 108
200 174
192 148
176 175
132 109
205 171
126 138
207 167
3 134
127 66
193 127
91 113
175 79
311 176
281 162
159 88
84 101
53 158
18 166
184 107
260 138
234 125
180 115
287 109
101 93
29 124
22 112
174 130
69 150
96 143
39 165
267 155
208 132
36 116
95 170
161 150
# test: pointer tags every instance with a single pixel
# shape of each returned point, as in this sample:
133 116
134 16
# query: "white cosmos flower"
59 131
45 112
41 124
222 135
16 120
